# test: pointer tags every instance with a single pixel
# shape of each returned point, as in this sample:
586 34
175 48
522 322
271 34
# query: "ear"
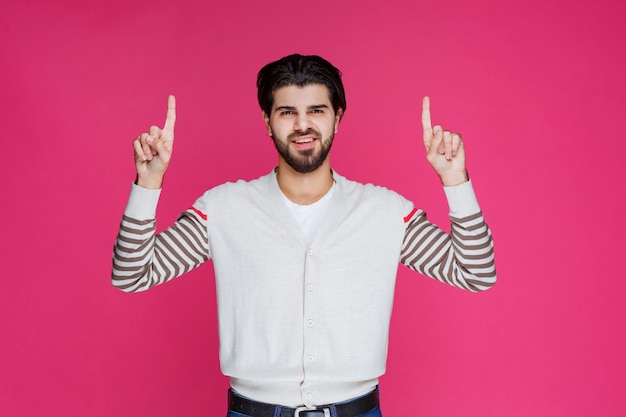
266 119
338 116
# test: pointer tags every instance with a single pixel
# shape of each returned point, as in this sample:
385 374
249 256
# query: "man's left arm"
463 258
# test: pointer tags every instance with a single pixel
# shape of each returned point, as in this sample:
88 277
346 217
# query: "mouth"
304 142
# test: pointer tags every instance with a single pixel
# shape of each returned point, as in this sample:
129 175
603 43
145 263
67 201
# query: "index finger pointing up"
170 117
426 123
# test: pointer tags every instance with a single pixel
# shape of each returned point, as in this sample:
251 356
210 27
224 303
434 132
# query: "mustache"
307 132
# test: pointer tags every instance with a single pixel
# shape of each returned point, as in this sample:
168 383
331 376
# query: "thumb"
158 145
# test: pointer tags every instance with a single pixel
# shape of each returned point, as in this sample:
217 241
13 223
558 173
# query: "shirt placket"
310 356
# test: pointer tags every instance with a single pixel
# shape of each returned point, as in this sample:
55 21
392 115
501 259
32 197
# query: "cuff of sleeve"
142 203
462 199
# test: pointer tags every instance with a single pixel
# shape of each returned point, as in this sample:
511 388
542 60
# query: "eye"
317 111
286 113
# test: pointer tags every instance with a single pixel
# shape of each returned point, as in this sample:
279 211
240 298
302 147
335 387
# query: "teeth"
304 140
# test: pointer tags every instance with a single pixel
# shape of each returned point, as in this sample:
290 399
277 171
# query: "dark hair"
299 70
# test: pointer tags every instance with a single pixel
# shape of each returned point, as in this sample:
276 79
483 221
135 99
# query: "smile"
304 140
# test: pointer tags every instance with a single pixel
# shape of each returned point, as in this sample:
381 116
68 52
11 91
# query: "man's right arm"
143 258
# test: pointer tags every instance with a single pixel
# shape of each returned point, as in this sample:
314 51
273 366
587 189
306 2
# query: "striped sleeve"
142 258
464 258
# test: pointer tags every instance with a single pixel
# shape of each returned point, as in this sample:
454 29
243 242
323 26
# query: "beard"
306 160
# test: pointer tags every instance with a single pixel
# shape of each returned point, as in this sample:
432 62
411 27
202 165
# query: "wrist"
454 178
151 183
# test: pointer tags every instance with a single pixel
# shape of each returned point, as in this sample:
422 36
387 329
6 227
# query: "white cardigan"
304 322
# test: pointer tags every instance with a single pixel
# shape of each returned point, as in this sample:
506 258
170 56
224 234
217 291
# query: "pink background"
536 88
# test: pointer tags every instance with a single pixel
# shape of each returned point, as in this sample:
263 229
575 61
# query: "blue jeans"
374 413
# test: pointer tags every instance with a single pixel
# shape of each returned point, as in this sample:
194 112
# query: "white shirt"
308 216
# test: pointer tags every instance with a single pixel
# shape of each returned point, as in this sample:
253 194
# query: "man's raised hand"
153 150
444 150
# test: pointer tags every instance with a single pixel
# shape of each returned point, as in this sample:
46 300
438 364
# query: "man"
305 260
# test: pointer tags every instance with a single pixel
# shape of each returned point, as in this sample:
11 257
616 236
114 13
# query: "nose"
302 122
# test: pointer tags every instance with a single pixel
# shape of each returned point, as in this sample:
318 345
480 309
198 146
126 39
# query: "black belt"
360 405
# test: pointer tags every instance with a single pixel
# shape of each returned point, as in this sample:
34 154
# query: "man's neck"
304 188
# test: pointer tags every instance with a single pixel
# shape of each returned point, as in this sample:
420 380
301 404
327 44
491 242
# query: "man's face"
302 124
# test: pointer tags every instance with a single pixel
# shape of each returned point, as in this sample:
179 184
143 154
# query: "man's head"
300 70
302 99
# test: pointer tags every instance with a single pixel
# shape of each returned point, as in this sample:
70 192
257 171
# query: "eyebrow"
312 107
318 106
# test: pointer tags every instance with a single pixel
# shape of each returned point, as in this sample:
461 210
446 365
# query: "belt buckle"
304 409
